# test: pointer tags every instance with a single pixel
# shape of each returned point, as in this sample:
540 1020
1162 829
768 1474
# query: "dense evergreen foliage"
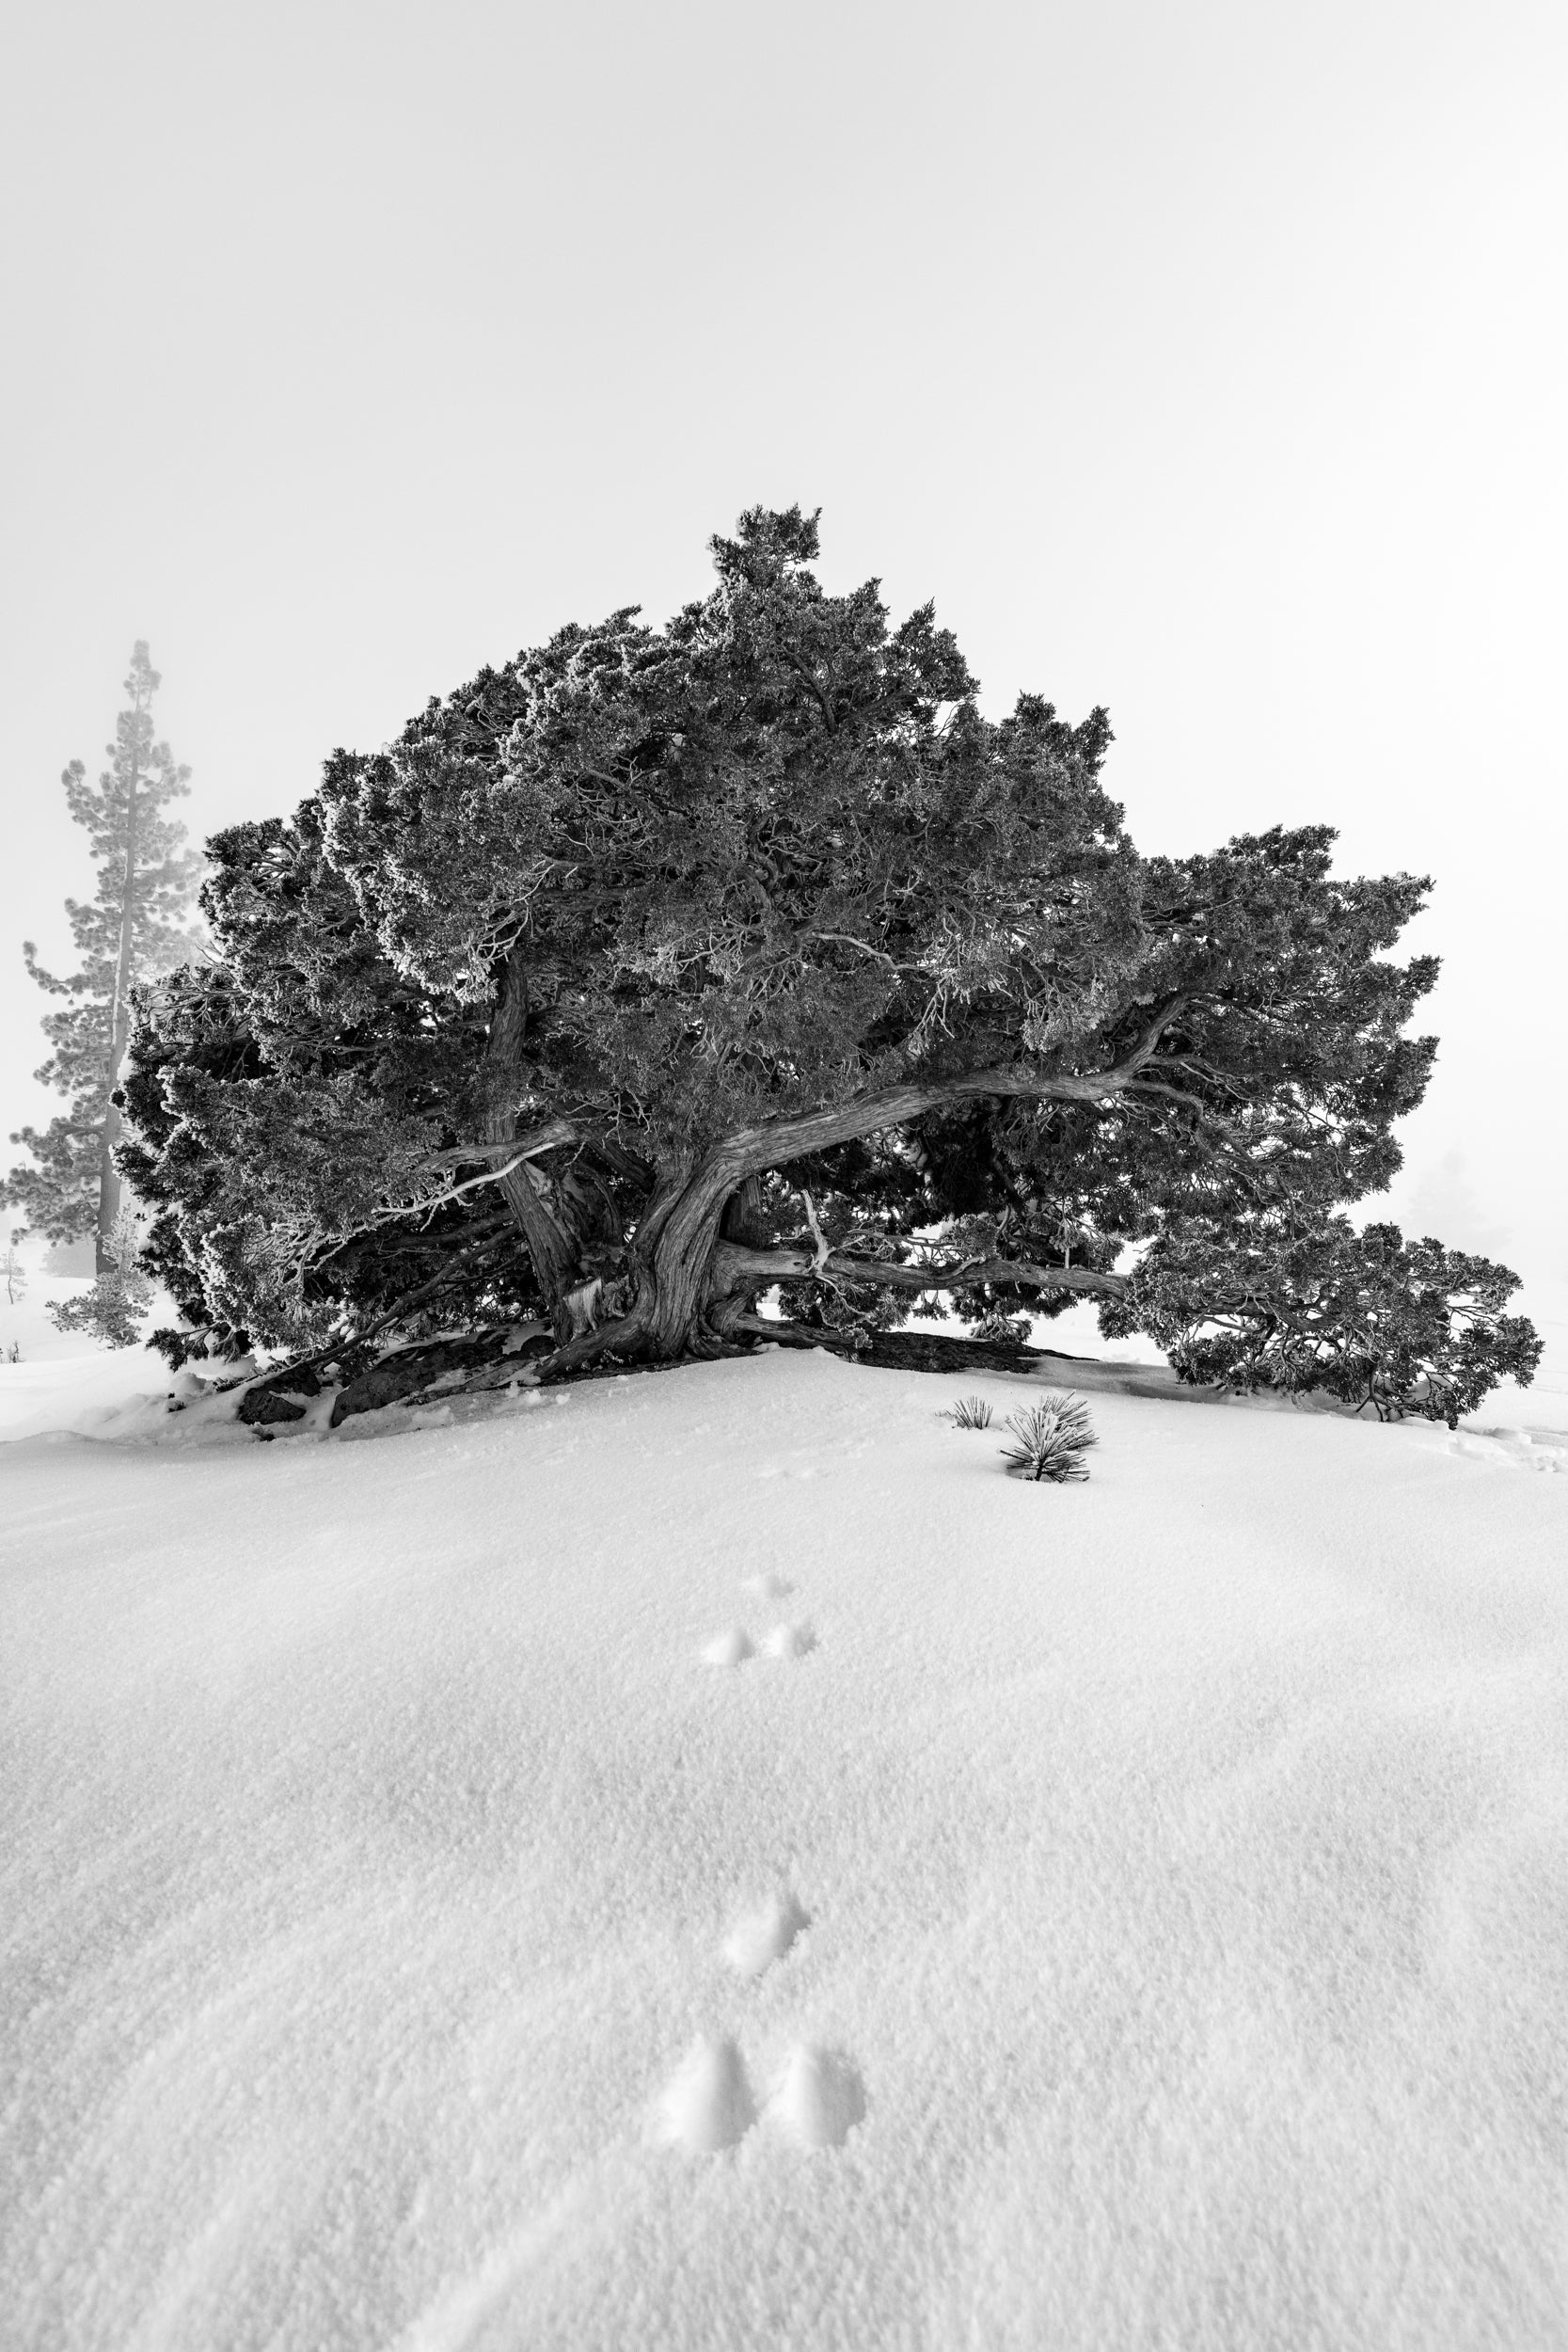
660 966
1366 1317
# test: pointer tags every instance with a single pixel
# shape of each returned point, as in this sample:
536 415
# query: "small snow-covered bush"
1051 1440
970 1412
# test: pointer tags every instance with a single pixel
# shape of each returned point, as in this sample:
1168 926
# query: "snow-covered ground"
62 1380
1132 1914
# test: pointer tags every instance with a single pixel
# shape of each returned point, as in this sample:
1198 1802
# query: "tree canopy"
660 966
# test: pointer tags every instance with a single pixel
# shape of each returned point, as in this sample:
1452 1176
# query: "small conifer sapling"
1050 1440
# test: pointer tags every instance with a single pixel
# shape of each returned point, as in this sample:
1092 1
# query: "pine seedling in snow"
1050 1440
970 1412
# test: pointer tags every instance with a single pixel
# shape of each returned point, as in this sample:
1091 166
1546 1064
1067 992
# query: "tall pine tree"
132 928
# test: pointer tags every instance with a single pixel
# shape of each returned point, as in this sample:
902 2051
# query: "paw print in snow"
730 1648
707 2104
764 1935
820 2099
790 1641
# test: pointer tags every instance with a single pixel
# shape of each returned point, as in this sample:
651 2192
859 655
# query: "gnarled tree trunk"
693 1288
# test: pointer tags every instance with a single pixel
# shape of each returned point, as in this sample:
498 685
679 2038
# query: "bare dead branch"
824 1249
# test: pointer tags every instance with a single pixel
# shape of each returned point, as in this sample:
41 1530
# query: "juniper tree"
131 930
662 966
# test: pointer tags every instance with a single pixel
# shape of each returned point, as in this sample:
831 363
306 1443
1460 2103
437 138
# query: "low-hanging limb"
688 1215
773 1142
757 1268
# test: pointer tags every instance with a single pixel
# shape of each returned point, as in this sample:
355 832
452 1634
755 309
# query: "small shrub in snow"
970 1412
1051 1440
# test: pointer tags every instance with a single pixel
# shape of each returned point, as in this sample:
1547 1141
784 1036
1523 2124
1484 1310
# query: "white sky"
1208 362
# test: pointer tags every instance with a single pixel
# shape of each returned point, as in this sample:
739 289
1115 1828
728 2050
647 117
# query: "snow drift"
707 1859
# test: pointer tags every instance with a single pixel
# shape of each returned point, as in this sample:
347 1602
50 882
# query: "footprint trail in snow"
819 2097
768 1586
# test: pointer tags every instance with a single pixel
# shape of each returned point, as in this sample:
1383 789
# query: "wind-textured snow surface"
709 1861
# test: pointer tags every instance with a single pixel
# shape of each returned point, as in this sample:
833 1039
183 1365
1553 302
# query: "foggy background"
1206 361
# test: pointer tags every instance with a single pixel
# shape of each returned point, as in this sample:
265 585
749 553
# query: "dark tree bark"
551 1245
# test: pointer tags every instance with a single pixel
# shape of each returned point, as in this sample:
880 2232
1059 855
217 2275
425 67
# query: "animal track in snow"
820 2099
790 1641
770 1586
1521 1449
730 1648
707 2104
764 1935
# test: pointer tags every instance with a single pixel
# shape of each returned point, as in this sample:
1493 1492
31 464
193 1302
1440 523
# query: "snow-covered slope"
1130 1914
64 1380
